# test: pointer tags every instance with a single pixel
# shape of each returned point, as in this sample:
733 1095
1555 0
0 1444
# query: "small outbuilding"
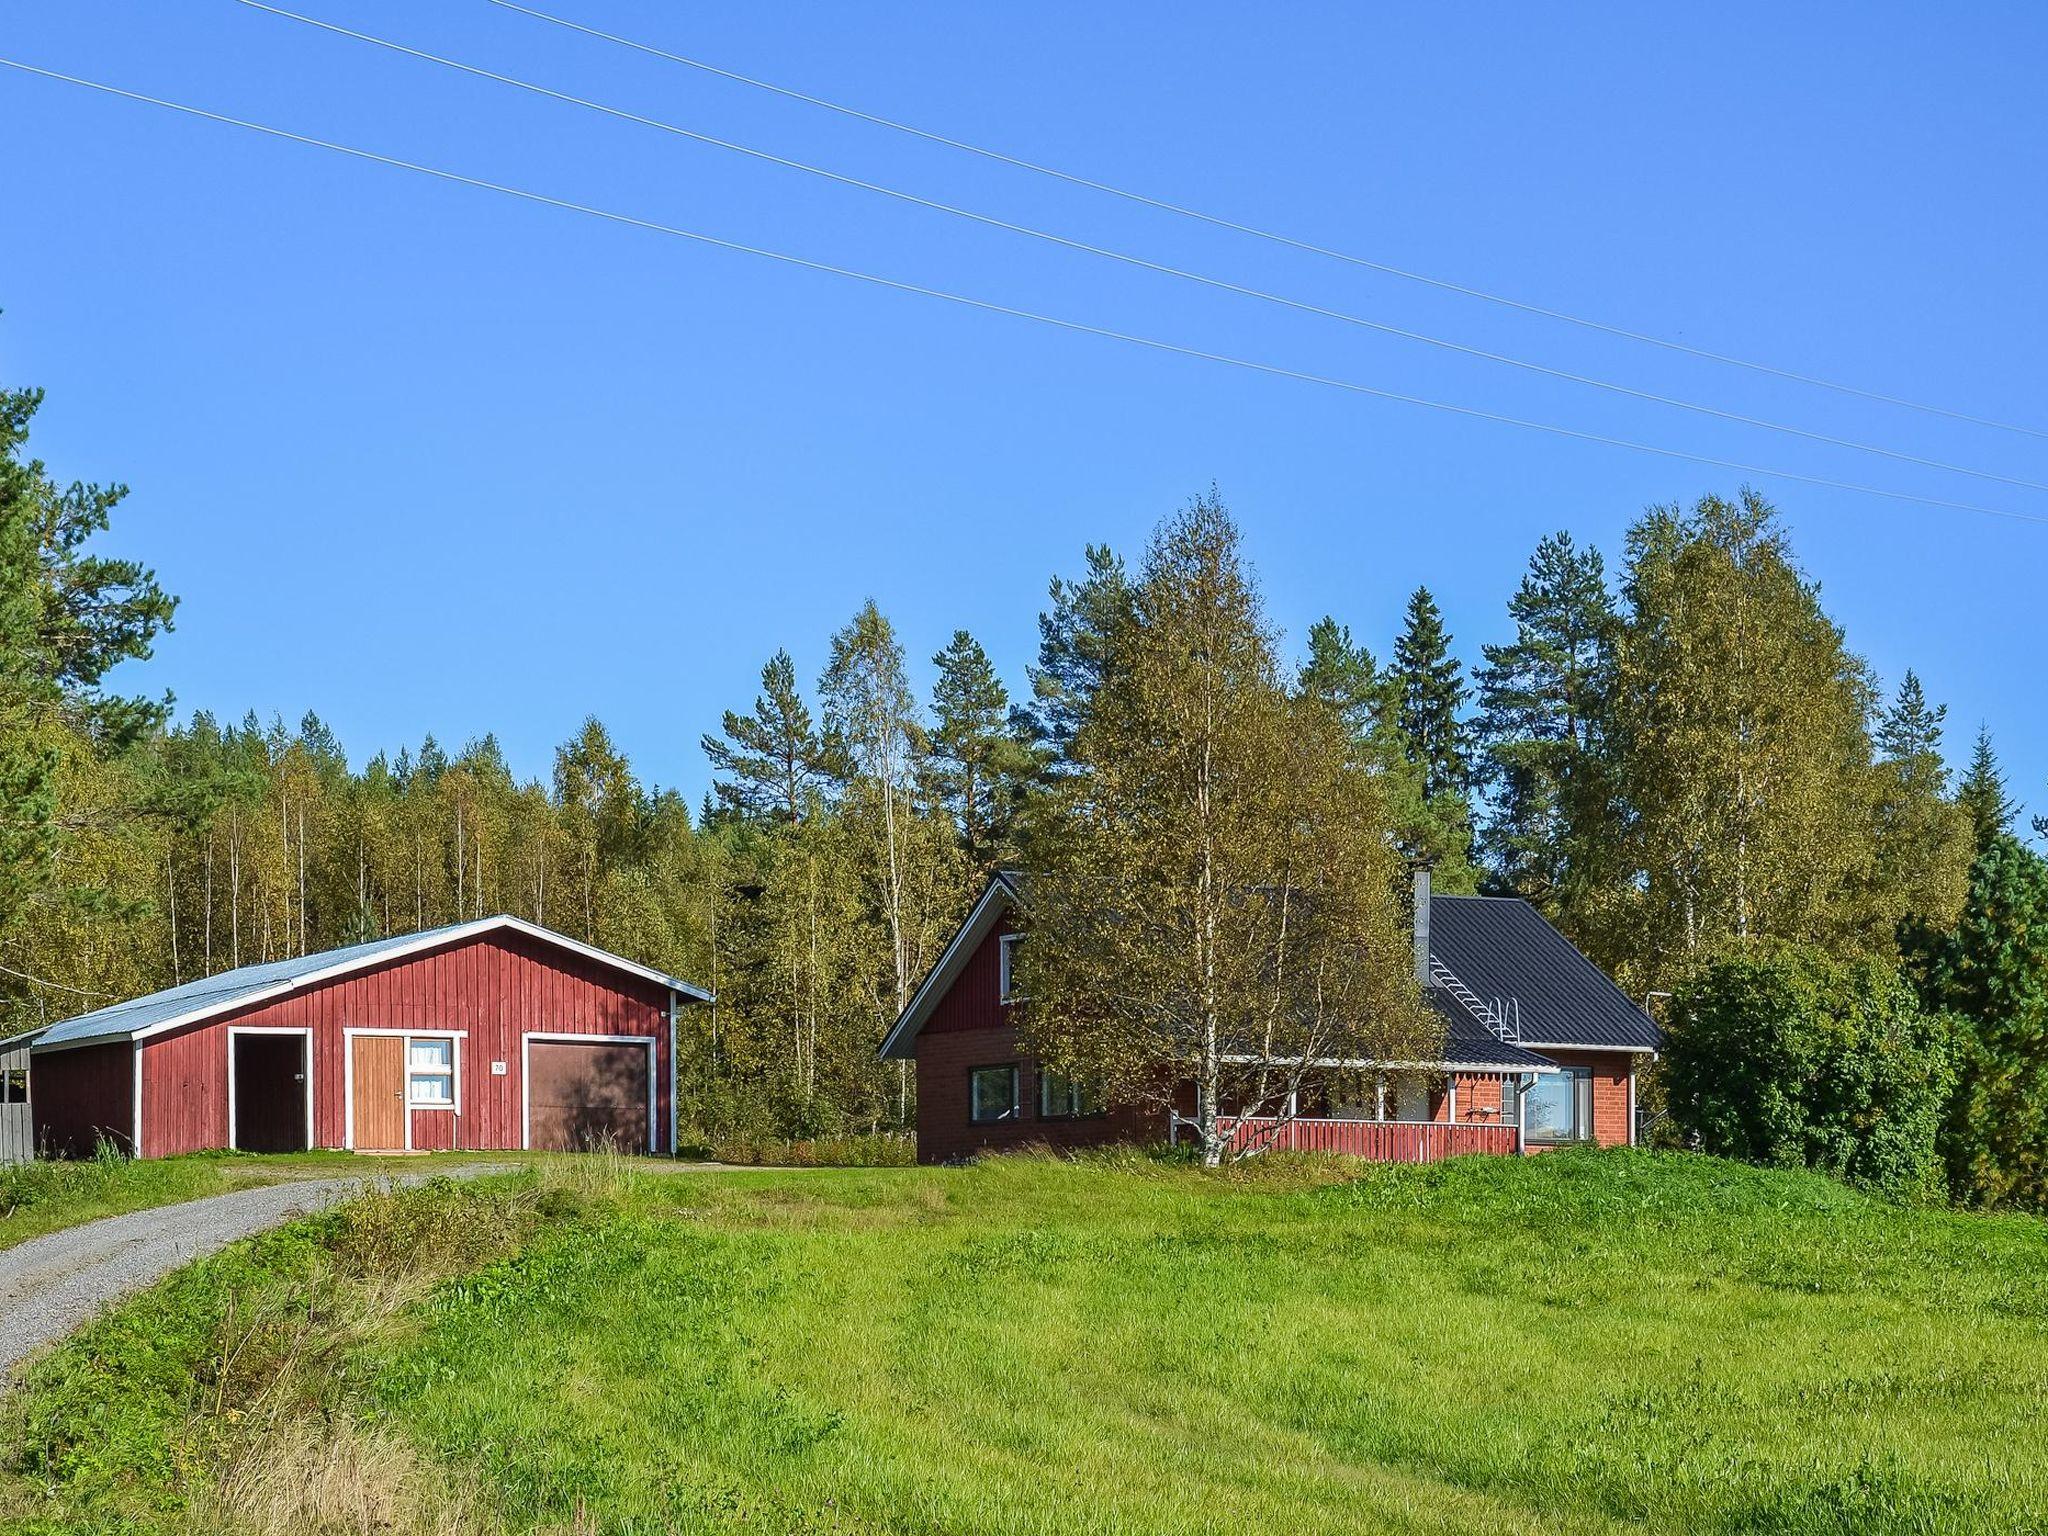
490 1035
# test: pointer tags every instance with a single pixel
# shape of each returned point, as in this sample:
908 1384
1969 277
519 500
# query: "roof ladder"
1502 1016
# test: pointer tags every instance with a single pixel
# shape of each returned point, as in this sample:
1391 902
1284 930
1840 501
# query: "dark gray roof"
1503 948
1468 1043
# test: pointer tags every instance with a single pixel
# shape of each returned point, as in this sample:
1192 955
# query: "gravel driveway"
49 1285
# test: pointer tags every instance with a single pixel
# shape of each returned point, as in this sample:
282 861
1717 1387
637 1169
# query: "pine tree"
1430 685
1541 700
1982 793
981 767
1074 639
772 761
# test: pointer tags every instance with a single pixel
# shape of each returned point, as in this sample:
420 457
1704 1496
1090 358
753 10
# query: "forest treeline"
1676 760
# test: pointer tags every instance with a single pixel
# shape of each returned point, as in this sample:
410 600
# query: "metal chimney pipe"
1422 926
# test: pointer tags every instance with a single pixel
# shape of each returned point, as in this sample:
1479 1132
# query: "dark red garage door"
583 1094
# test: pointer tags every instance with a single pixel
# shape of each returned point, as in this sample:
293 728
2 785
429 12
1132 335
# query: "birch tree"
1213 897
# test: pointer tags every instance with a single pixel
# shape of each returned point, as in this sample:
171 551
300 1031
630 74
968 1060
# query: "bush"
1797 1059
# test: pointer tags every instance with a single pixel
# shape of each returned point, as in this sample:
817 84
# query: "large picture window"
992 1094
1558 1106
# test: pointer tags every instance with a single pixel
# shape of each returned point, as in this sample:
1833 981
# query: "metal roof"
1501 947
209 995
1468 1043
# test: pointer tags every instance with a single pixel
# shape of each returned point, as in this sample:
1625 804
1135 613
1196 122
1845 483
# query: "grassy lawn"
1569 1343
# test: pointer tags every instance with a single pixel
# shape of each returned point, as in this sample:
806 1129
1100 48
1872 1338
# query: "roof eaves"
996 898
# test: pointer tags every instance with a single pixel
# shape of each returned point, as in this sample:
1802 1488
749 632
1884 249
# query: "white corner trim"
304 1031
135 1105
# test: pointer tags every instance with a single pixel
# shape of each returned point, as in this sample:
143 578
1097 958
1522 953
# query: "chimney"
1422 925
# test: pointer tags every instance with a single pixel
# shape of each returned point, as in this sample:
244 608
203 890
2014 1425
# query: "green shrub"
1794 1059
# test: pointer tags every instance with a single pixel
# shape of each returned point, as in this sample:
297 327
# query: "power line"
1309 246
1137 261
56 985
989 306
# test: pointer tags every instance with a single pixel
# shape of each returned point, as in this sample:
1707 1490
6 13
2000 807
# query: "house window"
992 1094
1006 953
13 1085
1558 1106
430 1073
1061 1098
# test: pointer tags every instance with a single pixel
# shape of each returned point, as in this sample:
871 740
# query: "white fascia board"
435 939
994 902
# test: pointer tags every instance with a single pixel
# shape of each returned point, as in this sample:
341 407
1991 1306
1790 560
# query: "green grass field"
1590 1342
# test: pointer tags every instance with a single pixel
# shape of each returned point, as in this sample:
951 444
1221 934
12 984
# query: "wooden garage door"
582 1094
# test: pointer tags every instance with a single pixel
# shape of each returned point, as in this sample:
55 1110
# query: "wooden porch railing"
1383 1141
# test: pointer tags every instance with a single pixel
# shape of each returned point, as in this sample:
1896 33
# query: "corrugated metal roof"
1501 947
218 993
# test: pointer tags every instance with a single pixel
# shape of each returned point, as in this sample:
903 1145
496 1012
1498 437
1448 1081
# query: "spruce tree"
1541 699
1430 684
1982 793
1924 840
980 765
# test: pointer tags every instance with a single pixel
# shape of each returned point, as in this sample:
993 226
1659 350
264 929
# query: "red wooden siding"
489 990
81 1094
970 1027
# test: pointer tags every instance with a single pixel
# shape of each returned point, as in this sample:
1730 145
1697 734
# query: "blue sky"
425 458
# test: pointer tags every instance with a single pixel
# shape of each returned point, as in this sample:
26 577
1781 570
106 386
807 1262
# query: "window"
1061 1098
992 1094
1558 1106
1006 951
430 1073
13 1085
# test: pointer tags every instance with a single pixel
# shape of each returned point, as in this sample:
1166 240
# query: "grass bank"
1569 1343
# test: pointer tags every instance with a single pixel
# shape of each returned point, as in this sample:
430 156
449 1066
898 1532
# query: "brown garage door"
586 1094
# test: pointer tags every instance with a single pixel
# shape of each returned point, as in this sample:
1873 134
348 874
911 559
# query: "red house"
1541 1049
488 1035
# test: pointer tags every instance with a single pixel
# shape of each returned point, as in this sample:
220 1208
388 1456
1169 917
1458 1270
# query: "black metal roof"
1469 1043
1504 949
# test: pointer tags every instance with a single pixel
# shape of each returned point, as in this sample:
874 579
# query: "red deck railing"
1383 1141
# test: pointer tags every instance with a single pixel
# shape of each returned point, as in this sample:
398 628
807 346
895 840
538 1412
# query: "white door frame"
404 1036
305 1032
556 1037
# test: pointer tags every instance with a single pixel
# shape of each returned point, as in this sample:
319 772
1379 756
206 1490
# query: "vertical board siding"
81 1094
493 989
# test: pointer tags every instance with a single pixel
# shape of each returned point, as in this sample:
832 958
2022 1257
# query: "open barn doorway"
270 1085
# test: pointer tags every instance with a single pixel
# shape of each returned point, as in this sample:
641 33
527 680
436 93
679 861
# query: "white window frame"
304 1032
1005 994
412 1101
586 1037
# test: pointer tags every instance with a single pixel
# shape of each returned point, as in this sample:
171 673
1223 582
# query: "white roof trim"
995 901
434 939
1580 1045
1366 1064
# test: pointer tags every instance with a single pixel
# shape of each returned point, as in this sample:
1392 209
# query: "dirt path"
49 1285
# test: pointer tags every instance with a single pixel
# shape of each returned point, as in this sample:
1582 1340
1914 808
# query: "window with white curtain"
430 1072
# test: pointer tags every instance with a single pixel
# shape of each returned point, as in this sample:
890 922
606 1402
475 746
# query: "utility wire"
991 307
56 985
1136 261
1220 222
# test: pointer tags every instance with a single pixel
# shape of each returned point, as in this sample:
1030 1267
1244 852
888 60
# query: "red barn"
489 1035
